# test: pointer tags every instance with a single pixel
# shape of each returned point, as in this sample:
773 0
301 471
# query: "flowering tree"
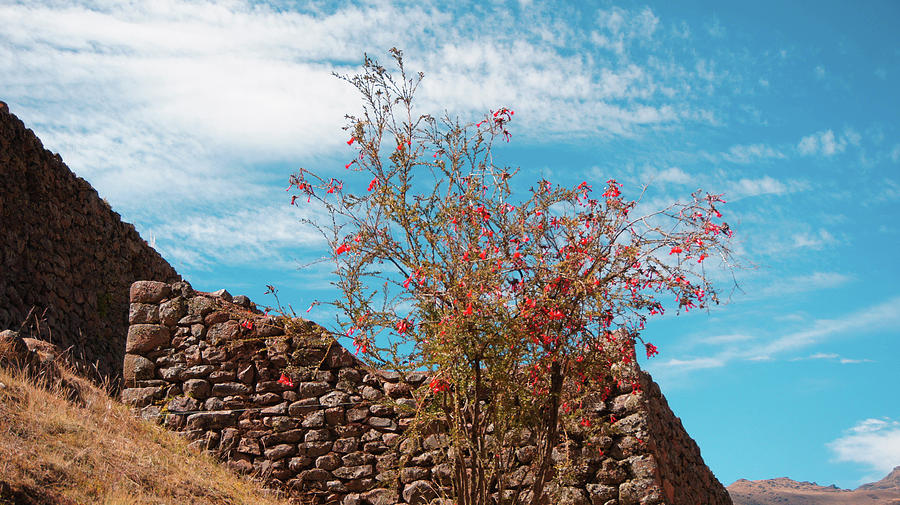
516 306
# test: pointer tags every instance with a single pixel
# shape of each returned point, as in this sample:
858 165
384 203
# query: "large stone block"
148 291
146 337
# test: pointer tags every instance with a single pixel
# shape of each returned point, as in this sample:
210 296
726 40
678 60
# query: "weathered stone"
328 462
315 419
281 451
275 410
223 294
345 445
146 337
136 368
354 472
210 419
196 388
419 492
12 348
600 494
230 389
140 397
357 414
302 407
222 332
314 449
310 389
143 313
572 496
197 372
182 404
371 394
315 474
250 446
316 436
413 473
334 415
171 311
640 492
381 497
148 292
334 399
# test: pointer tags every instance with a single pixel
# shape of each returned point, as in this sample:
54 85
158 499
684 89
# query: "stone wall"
66 259
209 365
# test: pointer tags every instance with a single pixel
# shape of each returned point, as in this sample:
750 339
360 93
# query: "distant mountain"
784 491
892 481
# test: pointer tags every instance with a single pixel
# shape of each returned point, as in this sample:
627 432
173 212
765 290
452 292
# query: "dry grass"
91 450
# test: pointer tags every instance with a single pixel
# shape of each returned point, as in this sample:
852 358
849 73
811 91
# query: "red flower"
286 381
248 324
342 249
651 350
373 184
675 250
438 385
350 142
402 326
585 422
468 311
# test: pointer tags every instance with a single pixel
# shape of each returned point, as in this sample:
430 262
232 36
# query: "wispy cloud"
204 93
874 318
766 185
803 283
830 356
873 442
751 153
826 143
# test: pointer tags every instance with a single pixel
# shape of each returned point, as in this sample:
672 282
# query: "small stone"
328 462
334 399
241 300
231 389
223 294
316 436
419 492
354 472
310 389
600 494
196 388
315 419
345 445
281 451
139 397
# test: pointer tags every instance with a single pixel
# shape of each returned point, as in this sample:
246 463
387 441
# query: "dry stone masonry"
66 259
209 365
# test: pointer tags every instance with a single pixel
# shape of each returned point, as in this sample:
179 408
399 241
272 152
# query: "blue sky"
188 117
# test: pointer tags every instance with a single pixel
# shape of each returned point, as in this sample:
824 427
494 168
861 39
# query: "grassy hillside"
78 446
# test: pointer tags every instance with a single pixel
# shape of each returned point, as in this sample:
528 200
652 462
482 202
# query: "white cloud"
803 283
137 94
871 442
825 143
830 356
751 153
766 347
814 240
819 71
766 185
270 235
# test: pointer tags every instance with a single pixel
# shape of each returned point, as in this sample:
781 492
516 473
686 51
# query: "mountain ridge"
786 491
